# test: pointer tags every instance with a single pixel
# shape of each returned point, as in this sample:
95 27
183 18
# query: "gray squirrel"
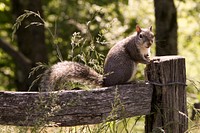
119 68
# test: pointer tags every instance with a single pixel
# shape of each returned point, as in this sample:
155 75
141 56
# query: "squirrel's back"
62 73
119 67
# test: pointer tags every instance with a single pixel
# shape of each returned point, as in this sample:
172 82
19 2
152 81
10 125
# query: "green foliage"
87 54
6 63
22 17
6 72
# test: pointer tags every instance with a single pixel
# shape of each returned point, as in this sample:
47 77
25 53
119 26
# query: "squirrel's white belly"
145 51
133 73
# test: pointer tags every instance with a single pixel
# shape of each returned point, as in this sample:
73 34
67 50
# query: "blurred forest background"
175 23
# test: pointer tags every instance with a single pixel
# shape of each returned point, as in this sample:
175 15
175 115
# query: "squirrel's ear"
150 28
138 29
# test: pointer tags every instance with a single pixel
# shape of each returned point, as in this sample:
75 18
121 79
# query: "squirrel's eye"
140 35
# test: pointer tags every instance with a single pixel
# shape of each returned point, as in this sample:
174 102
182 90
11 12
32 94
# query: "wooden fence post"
167 74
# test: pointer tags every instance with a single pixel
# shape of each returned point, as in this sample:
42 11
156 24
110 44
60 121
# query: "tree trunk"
31 41
166 27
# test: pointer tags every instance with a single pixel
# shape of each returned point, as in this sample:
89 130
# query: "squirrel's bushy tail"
62 73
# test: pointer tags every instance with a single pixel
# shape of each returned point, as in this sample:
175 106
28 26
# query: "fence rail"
71 108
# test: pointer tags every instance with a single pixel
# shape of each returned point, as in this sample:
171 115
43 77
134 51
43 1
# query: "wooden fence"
162 98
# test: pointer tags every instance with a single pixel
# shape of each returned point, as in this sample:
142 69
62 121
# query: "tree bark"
31 41
166 27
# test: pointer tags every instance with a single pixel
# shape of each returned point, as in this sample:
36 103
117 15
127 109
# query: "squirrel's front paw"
147 58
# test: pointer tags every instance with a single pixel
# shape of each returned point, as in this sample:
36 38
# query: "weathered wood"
169 110
77 107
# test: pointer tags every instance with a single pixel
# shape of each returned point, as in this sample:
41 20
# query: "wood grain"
169 109
77 107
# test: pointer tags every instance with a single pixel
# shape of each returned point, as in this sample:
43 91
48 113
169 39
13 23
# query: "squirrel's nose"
150 43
